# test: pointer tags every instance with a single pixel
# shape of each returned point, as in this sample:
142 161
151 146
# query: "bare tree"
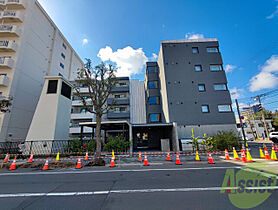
100 80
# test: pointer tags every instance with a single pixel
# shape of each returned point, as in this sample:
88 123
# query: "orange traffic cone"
86 156
112 164
31 158
243 157
45 167
79 165
6 158
227 157
178 162
140 157
266 154
168 156
146 163
210 159
13 166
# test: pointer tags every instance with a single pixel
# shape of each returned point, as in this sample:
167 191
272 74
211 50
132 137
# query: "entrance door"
142 140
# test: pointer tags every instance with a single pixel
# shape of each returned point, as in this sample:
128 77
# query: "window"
119 109
66 90
83 111
202 87
216 67
122 84
152 69
195 50
62 66
205 108
224 108
154 100
120 96
198 68
154 117
212 49
64 46
63 55
152 84
52 87
220 87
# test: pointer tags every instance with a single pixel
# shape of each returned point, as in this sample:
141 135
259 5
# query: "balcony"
119 89
118 101
7 46
6 63
2 4
9 31
118 115
16 4
79 116
4 80
12 16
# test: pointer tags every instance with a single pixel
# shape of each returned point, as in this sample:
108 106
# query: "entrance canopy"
107 125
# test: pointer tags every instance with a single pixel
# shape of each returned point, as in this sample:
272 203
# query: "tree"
5 103
100 80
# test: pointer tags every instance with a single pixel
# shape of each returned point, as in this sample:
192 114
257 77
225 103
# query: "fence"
45 147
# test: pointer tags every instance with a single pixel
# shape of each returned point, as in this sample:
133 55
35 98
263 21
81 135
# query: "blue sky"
129 32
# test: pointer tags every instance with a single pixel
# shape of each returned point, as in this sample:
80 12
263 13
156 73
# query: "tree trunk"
98 134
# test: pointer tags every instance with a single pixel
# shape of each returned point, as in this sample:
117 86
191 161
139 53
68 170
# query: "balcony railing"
87 115
12 16
9 30
6 62
7 46
2 4
16 4
4 80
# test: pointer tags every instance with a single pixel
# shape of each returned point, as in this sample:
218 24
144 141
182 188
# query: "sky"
129 33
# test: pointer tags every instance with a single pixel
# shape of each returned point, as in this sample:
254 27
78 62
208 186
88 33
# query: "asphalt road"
190 186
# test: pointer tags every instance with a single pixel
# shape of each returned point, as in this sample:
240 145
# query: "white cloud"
267 78
85 41
229 68
274 14
129 61
194 36
153 58
236 93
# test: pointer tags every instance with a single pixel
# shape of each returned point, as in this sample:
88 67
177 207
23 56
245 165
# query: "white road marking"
16 195
113 171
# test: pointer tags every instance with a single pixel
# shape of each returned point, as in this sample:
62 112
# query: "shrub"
75 145
118 144
225 140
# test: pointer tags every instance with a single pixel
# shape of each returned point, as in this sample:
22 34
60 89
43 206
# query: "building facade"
188 85
31 47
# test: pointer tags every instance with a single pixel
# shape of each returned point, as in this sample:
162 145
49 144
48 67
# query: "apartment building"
188 85
128 96
31 48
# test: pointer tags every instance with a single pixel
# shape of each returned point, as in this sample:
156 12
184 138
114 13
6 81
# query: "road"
190 186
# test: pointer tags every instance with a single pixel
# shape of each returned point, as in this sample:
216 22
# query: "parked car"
274 137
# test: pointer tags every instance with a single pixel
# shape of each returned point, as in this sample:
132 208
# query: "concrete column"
175 138
131 138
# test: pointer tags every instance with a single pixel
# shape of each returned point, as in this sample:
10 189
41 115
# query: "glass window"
52 86
224 108
62 65
83 111
212 49
66 90
205 108
152 84
202 87
122 109
119 96
64 46
198 68
63 55
195 50
153 100
122 84
220 87
154 117
152 69
216 67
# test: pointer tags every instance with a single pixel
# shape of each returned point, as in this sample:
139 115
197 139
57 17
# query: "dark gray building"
188 85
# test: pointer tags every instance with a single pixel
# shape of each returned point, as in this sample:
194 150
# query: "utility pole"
241 124
265 126
254 122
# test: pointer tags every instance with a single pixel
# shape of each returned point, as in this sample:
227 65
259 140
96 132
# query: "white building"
31 47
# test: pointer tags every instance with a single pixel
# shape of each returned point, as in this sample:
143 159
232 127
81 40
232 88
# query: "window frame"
219 65
155 86
62 65
201 68
158 117
217 48
225 84
195 48
201 84
152 72
157 100
224 105
205 105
